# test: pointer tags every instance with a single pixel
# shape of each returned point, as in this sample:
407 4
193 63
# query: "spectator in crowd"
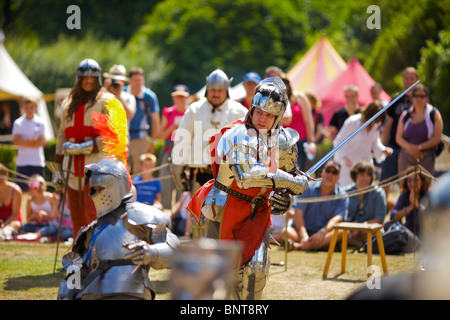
145 120
375 93
250 82
78 140
314 221
148 189
115 80
419 131
407 206
389 167
29 137
361 146
368 207
42 213
302 122
181 219
351 107
171 118
199 123
319 126
10 202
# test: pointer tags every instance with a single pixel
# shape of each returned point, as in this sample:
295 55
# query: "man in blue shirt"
145 119
314 221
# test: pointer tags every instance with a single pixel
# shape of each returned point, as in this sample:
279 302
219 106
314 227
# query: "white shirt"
28 129
198 125
360 147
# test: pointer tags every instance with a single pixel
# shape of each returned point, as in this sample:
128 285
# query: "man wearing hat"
115 80
250 82
314 221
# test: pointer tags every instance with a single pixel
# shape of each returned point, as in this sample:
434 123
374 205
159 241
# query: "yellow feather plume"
113 129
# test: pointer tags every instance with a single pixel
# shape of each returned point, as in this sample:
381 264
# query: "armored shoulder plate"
81 235
287 138
140 214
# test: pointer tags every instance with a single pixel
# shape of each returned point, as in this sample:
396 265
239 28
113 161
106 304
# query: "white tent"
14 84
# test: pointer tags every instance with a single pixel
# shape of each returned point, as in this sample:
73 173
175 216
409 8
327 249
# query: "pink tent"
332 95
320 65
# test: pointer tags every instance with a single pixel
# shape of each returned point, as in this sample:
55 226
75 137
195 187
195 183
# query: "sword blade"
333 151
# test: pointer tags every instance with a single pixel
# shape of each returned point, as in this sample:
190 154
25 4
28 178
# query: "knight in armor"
78 142
202 119
112 255
255 175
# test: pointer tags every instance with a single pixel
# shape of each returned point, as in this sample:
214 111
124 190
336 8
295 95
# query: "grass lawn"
26 273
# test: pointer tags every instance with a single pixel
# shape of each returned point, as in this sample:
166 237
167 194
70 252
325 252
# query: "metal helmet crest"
271 97
218 80
89 67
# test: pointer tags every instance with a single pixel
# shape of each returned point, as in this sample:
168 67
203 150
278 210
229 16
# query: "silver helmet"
89 67
218 80
271 97
109 184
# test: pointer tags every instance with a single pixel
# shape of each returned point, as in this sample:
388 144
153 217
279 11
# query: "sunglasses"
329 170
423 96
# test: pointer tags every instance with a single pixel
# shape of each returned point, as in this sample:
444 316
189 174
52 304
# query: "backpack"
395 238
438 148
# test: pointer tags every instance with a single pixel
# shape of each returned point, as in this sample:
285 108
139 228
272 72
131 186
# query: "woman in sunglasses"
419 131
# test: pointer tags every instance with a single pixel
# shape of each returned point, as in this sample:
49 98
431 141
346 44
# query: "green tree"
197 37
434 70
399 45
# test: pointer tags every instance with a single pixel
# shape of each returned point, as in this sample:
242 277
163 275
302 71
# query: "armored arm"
156 255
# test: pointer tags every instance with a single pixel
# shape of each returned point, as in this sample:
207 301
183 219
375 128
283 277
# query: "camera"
115 83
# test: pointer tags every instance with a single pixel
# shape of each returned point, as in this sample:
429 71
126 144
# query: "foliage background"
182 42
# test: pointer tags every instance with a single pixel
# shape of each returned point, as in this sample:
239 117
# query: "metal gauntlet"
73 149
295 184
281 203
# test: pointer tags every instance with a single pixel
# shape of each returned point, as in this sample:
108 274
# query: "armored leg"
251 278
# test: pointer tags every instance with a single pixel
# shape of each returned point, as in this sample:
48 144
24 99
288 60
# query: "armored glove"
281 203
294 184
141 253
74 149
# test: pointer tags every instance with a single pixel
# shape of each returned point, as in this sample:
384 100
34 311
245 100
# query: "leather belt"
258 201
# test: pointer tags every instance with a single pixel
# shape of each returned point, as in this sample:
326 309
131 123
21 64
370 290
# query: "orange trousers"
82 213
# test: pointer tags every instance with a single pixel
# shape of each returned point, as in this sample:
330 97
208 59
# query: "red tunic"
236 224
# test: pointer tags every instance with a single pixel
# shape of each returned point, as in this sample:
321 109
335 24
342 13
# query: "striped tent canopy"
333 96
320 65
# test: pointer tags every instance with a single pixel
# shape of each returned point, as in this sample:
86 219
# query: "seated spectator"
10 202
148 189
408 206
279 225
42 214
180 216
368 207
314 221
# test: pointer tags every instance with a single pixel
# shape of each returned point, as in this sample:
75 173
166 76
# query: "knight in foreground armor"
114 253
255 174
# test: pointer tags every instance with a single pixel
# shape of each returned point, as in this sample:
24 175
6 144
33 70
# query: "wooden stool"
345 227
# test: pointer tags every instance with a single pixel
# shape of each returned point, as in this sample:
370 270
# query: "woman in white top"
362 145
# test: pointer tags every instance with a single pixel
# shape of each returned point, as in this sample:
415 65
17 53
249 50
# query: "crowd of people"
198 130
